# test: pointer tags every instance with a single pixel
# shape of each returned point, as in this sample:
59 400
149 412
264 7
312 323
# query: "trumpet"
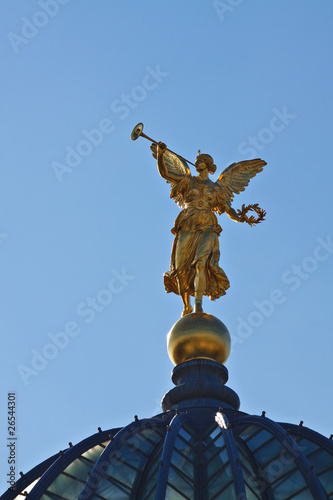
138 132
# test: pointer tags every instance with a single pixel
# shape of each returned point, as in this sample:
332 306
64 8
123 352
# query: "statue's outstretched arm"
232 213
240 215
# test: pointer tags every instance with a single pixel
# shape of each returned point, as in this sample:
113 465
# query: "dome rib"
291 446
65 459
253 481
168 447
222 421
146 484
99 471
310 434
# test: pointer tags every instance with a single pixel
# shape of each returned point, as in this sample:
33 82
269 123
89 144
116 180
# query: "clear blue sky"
80 207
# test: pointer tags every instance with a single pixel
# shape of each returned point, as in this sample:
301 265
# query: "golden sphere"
198 335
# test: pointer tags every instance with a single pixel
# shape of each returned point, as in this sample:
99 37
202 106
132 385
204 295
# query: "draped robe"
196 233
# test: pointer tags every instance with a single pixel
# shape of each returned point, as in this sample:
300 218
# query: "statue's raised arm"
170 166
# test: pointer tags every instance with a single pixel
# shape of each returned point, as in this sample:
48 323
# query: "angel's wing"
175 166
237 176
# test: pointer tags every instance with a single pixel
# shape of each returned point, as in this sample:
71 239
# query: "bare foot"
187 311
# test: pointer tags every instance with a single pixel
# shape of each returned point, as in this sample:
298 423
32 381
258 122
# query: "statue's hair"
209 160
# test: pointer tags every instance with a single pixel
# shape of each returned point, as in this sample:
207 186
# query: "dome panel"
218 474
148 482
318 451
119 469
77 459
183 464
70 482
282 468
226 452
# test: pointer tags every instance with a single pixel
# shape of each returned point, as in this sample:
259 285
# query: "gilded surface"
194 268
198 336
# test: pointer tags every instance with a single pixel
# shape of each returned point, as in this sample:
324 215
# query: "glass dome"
201 448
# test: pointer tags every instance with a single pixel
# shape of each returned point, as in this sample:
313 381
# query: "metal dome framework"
195 453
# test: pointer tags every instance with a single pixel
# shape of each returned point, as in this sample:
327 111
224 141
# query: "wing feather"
237 176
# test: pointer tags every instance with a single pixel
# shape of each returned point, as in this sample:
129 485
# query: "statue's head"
203 161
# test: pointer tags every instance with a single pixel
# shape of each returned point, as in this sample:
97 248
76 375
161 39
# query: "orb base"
200 383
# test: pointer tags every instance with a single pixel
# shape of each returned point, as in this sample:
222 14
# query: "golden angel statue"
194 267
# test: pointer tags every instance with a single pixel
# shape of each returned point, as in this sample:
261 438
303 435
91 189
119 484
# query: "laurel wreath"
252 221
